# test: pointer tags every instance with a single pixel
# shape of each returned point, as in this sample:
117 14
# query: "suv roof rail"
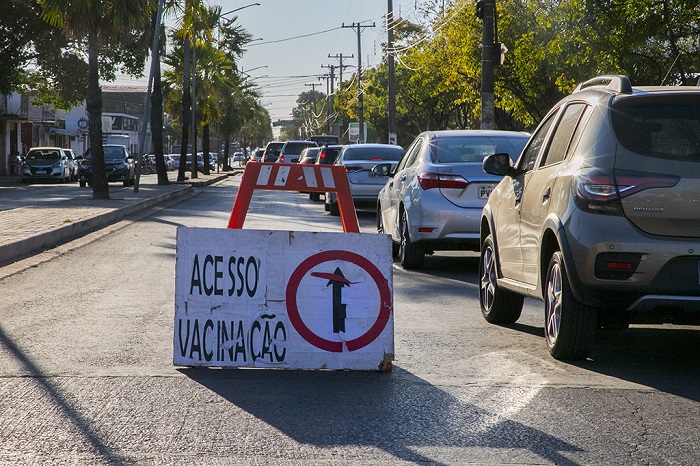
616 83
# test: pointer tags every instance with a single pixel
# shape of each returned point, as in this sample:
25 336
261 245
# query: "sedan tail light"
429 180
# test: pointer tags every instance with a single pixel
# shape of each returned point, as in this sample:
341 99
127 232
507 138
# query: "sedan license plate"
485 190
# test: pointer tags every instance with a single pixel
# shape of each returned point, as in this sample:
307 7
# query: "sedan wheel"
380 230
411 255
569 326
498 306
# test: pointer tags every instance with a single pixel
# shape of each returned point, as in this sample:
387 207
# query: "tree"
309 117
99 23
37 56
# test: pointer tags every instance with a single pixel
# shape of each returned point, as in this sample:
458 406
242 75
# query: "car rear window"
295 148
665 127
458 149
373 153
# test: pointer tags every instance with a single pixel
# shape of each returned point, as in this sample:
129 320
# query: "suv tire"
498 306
411 255
569 326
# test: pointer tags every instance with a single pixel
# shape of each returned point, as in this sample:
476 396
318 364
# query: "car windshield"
458 149
111 154
373 153
114 153
43 155
667 128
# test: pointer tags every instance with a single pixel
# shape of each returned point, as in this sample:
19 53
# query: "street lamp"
239 8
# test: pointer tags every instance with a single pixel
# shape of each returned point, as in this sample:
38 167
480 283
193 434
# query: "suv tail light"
601 192
281 159
429 180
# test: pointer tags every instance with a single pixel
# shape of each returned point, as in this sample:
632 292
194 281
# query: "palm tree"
100 23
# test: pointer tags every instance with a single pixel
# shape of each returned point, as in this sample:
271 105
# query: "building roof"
135 88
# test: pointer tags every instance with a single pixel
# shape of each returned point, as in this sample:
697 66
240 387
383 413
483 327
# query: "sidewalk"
26 230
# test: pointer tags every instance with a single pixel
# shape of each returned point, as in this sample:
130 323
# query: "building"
24 125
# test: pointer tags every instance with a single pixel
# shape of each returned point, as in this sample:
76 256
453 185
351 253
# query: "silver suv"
600 217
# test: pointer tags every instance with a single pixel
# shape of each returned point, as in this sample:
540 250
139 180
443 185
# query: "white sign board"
284 299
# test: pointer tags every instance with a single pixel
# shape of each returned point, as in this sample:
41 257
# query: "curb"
13 251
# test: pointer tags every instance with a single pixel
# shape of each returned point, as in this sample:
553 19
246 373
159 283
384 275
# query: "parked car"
599 217
433 199
238 158
200 162
326 156
176 160
74 164
169 162
47 163
358 160
272 151
119 166
291 150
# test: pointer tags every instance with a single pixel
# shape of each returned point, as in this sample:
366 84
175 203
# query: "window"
563 134
665 127
411 155
529 156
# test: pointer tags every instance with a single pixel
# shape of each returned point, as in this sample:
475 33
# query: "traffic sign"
295 300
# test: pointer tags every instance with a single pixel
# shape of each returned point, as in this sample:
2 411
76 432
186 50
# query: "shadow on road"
398 413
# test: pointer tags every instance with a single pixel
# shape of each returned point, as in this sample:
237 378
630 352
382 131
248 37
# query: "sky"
283 65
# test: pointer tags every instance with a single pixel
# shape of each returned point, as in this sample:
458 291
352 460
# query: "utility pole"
486 9
360 115
341 66
340 57
330 77
390 70
312 116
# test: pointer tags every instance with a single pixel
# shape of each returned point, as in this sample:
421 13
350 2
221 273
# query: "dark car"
326 156
599 216
272 152
119 166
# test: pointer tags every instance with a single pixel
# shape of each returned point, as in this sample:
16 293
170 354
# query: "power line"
293 38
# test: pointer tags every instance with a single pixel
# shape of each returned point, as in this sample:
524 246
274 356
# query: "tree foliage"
552 46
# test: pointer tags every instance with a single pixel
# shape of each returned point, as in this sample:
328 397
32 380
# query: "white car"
48 163
433 199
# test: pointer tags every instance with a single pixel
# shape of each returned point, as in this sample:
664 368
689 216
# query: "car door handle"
403 178
391 183
547 194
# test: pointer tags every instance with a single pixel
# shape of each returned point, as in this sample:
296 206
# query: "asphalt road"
86 374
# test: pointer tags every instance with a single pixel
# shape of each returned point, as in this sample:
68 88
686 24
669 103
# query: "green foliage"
37 56
552 46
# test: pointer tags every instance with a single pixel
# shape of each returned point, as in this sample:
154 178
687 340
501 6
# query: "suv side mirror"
498 164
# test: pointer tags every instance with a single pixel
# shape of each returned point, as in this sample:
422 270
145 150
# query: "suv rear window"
295 148
665 127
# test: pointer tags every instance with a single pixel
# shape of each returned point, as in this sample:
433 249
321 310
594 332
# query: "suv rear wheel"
569 326
498 306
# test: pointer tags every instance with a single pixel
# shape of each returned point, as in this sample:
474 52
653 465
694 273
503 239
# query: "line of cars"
61 164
